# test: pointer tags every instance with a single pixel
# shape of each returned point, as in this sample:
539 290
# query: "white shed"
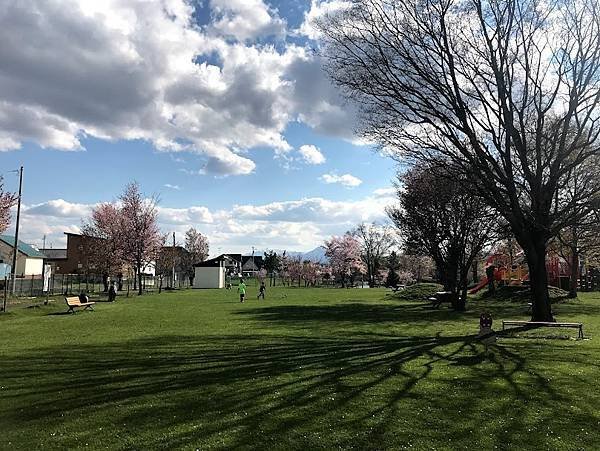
210 274
30 261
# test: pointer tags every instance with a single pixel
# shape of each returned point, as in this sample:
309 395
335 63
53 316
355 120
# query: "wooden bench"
74 303
441 297
544 324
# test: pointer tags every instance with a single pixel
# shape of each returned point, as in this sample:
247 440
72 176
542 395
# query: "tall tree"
271 264
197 247
7 200
103 240
344 257
439 216
506 90
375 242
141 236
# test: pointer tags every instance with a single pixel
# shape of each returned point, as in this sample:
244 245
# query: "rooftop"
24 248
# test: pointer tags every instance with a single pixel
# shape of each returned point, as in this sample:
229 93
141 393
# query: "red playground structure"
508 274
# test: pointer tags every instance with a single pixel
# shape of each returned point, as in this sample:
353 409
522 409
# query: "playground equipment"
516 274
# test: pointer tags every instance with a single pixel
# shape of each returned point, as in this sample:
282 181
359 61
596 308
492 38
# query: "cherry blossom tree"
344 257
141 236
103 244
7 200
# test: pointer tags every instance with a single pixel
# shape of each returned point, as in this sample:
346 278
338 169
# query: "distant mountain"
317 255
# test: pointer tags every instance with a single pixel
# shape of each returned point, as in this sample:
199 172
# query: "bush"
418 291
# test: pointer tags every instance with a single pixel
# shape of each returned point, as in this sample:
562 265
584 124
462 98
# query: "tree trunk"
574 276
535 252
139 274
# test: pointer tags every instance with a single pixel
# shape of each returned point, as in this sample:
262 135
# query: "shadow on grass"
253 391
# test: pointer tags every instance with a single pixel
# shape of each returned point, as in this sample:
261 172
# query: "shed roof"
24 248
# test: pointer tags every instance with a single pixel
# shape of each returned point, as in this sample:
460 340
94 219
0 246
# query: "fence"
68 284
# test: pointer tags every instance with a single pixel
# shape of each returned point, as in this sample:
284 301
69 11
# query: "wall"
209 277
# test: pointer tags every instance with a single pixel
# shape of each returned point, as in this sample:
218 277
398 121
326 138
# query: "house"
72 260
211 273
251 264
30 261
232 262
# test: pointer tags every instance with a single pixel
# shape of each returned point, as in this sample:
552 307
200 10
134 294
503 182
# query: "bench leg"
581 333
89 307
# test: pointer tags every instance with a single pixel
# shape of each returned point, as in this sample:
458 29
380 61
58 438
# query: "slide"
479 286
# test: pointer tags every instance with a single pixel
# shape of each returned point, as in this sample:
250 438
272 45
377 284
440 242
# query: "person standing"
242 290
261 290
112 292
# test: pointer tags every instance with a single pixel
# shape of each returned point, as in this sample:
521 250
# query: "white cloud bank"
135 69
294 225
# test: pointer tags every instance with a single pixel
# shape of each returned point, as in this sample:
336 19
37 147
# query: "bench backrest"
72 301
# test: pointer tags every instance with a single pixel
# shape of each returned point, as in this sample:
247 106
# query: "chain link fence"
74 284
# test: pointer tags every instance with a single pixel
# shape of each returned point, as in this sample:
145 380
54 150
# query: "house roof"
55 254
213 262
24 248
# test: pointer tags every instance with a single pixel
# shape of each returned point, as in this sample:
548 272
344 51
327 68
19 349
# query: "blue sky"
223 110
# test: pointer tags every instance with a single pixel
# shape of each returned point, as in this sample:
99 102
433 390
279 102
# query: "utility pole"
174 254
44 241
16 249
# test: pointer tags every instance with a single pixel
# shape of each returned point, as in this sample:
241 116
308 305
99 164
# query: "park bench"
398 288
544 324
74 303
440 297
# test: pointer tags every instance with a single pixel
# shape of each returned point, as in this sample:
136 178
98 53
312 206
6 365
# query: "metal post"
173 277
5 292
16 248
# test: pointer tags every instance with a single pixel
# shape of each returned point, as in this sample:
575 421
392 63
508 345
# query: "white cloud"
319 9
173 187
385 192
294 225
311 154
347 180
245 19
145 70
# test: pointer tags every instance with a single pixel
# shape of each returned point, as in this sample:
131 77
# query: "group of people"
242 290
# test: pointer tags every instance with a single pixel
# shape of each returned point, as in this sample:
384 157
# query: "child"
261 291
242 290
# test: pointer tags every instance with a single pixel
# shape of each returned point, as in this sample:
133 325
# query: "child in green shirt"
242 290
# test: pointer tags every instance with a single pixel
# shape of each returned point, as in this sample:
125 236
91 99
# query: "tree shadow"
254 391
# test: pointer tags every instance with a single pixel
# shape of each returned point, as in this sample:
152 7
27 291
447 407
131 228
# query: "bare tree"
439 216
506 90
375 242
197 247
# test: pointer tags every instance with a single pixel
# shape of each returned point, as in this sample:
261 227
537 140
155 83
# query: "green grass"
305 369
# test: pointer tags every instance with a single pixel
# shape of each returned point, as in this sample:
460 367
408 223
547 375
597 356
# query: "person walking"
261 290
242 290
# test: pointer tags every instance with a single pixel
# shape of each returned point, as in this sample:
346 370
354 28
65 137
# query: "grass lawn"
305 369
